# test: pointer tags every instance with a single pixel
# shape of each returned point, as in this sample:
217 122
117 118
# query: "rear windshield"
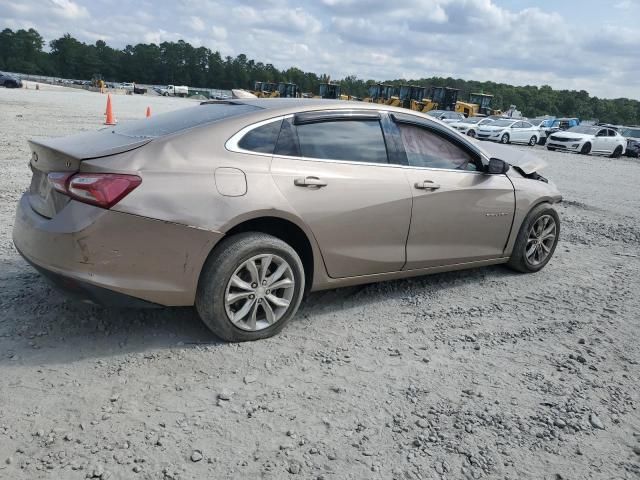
183 119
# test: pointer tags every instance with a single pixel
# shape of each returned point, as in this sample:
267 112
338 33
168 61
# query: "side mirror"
497 166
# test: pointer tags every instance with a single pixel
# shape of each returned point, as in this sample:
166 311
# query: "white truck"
175 91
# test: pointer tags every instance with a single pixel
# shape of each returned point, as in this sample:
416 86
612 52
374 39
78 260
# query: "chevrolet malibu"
241 207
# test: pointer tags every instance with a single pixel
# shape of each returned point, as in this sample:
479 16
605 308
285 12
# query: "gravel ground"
477 374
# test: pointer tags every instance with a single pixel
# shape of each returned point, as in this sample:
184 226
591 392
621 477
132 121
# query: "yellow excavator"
265 90
415 98
384 95
478 104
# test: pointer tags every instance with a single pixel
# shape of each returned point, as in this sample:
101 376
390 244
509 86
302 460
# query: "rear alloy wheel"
472 133
617 153
533 141
250 287
537 240
505 138
586 149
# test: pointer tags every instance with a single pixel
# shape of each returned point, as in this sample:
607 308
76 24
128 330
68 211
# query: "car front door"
460 214
600 141
333 169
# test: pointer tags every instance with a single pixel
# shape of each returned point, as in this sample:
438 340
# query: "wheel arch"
288 229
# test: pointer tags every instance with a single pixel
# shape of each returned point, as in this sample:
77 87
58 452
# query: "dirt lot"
478 374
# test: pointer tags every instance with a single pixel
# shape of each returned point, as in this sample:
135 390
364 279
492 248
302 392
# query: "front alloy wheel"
542 237
537 240
505 138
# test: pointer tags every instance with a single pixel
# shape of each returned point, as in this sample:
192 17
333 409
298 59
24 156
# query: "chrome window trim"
232 143
232 146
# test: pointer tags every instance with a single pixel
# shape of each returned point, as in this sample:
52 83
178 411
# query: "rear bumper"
102 253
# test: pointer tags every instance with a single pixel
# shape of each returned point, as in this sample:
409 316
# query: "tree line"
181 63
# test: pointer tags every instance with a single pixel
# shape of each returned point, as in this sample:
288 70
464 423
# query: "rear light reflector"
100 189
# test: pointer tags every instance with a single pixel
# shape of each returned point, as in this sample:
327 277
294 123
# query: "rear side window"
352 140
427 149
262 139
183 119
611 133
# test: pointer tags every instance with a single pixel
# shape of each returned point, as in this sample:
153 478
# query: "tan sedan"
241 207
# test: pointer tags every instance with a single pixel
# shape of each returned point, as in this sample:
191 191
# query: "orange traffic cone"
111 120
148 112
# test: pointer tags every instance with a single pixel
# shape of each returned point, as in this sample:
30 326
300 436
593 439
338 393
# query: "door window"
352 140
602 133
425 148
611 133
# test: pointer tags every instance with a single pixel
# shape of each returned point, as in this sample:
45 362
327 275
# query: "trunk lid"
65 155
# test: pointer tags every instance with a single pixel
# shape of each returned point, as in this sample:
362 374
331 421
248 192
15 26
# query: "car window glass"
352 140
611 133
602 133
425 148
517 125
526 125
262 139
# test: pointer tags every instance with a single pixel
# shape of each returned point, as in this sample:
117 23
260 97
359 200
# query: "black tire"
472 133
586 149
533 141
505 138
221 265
617 153
542 141
518 260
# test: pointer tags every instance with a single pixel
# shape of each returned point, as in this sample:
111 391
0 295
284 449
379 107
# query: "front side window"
261 139
351 140
425 148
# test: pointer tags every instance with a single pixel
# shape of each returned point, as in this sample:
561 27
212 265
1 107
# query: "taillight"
100 189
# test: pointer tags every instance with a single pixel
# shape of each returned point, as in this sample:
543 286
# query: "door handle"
309 182
427 185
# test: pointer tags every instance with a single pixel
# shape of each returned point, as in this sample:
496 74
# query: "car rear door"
459 214
334 171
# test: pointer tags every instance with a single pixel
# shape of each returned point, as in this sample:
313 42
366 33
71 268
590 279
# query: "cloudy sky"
577 44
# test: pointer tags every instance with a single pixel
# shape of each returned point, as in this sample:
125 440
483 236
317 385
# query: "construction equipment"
415 98
330 91
380 93
265 90
478 104
444 98
288 90
97 81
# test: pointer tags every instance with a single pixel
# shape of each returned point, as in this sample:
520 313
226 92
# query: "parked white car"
128 86
469 126
588 139
506 130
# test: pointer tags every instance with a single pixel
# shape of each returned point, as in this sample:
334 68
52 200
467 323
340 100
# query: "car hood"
525 160
563 134
461 125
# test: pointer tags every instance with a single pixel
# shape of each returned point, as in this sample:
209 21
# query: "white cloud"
379 39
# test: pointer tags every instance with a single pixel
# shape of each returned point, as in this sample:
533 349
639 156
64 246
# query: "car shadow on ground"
41 326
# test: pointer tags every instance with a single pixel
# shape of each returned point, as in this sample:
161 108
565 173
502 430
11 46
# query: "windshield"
586 130
172 122
435 113
471 120
502 123
630 132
